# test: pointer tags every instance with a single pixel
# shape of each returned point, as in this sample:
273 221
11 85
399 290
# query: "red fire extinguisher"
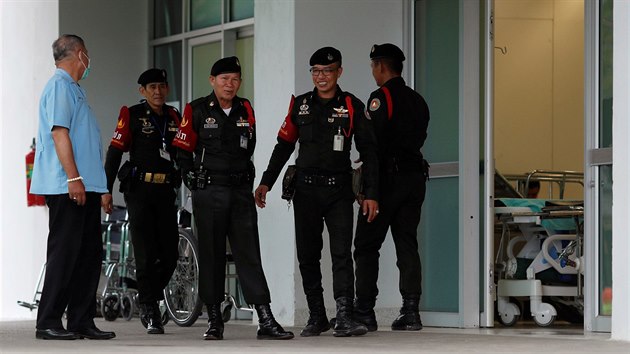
32 199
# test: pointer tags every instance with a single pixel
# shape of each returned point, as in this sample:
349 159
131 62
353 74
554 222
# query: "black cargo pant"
154 236
315 205
228 212
400 204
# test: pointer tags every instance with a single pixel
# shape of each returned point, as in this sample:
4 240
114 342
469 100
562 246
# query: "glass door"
599 165
446 41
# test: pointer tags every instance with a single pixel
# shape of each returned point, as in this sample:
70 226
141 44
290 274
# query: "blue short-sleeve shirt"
64 103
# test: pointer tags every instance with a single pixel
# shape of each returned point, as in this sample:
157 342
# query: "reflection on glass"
605 73
605 172
245 54
241 9
203 56
605 239
169 58
204 13
167 18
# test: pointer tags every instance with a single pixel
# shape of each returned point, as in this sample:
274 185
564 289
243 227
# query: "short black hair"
394 65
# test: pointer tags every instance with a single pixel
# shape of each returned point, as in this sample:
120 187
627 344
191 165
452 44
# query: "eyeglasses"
325 71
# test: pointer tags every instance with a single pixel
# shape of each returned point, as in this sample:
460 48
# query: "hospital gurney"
548 265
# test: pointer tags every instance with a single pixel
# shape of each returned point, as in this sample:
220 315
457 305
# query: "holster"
125 174
288 183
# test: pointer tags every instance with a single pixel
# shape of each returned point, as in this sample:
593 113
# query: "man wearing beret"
324 121
215 142
400 116
148 181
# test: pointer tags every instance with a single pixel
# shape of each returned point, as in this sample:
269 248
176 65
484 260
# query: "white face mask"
86 72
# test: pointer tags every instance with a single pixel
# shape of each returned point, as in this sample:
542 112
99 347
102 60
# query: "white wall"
352 26
281 57
116 34
27 30
116 37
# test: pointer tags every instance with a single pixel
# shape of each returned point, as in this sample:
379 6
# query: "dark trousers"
220 213
399 208
73 263
314 206
154 236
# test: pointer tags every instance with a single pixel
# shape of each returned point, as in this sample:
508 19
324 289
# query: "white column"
274 82
27 30
621 171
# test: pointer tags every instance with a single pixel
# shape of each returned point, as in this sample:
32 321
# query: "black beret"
152 75
387 50
226 65
325 56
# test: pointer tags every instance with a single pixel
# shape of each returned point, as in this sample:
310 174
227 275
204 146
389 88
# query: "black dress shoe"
94 333
58 334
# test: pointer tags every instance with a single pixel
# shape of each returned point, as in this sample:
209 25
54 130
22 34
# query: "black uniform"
220 147
400 117
323 190
148 182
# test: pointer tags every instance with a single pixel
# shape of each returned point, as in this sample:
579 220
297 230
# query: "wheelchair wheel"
181 295
110 307
127 307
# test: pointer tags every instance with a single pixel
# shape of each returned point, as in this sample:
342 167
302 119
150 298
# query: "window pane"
241 9
203 56
204 13
167 18
169 58
605 73
245 54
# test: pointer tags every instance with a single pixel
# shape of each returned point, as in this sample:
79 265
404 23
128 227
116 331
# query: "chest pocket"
305 127
211 128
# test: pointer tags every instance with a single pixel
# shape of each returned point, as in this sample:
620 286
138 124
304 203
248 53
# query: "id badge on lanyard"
165 154
338 141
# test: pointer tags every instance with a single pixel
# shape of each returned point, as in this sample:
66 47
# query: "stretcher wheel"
545 315
110 308
510 315
181 295
127 307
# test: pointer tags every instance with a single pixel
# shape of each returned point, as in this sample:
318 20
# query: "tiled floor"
240 337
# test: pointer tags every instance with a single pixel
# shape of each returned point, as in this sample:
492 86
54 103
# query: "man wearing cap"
400 116
324 121
148 181
215 142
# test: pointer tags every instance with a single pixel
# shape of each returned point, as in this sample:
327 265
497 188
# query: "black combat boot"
151 319
317 320
409 318
364 313
268 328
345 326
215 323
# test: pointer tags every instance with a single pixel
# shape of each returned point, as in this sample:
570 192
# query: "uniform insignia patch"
331 119
375 104
340 110
120 124
211 103
184 122
330 57
210 123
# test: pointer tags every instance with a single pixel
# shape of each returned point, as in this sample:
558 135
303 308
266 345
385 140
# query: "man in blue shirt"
69 172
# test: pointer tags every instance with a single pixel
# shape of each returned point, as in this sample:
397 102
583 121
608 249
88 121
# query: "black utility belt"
151 177
323 180
234 179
